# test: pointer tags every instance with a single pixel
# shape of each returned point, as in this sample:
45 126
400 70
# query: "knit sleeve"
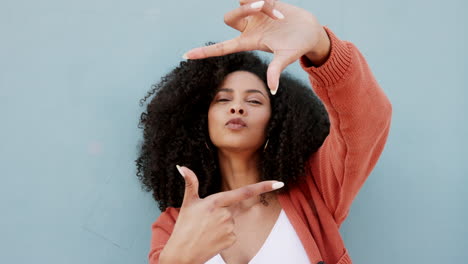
360 117
161 230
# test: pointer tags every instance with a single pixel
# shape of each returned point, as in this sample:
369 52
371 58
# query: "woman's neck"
238 169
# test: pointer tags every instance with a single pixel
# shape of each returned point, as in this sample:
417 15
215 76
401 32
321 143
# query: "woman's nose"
238 109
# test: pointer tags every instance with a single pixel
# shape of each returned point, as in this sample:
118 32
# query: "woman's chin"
238 148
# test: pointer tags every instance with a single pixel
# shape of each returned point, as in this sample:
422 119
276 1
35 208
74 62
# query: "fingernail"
257 5
180 170
277 185
278 14
185 57
274 91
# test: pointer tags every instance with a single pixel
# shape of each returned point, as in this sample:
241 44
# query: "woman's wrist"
321 51
166 257
174 252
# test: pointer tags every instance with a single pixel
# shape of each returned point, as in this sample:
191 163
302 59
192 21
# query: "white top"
281 246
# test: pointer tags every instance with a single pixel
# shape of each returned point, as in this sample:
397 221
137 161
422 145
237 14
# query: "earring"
266 144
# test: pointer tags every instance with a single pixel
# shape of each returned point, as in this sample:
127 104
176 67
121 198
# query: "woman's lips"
236 124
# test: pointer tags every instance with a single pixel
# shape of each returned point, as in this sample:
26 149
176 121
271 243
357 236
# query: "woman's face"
239 113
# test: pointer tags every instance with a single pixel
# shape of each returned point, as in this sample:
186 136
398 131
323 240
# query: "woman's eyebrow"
230 90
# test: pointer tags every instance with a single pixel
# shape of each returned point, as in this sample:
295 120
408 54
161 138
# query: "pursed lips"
236 121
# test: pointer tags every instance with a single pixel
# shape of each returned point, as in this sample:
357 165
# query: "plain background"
71 77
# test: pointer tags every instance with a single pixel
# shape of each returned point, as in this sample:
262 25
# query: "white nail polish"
278 14
185 57
180 170
277 185
273 92
257 5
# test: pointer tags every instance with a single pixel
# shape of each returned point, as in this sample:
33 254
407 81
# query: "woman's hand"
205 226
297 33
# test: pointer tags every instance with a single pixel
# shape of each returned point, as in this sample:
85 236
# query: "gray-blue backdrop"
71 76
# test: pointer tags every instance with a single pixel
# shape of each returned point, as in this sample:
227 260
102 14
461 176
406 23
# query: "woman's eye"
255 102
222 100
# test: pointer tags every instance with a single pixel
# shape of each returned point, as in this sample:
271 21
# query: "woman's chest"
252 231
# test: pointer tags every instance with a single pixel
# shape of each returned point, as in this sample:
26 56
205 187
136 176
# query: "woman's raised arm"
360 116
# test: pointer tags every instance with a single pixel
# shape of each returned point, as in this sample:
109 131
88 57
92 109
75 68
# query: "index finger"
268 8
229 198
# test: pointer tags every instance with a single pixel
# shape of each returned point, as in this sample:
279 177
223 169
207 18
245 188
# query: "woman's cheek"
215 124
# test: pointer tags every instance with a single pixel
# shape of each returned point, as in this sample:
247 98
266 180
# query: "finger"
228 198
243 2
268 8
237 17
218 49
191 185
280 61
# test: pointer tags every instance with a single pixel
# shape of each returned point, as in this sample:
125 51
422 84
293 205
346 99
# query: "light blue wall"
71 76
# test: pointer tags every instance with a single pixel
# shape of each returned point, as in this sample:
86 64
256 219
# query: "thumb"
280 61
191 184
218 49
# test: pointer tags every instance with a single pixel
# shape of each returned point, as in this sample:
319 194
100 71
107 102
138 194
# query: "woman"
269 171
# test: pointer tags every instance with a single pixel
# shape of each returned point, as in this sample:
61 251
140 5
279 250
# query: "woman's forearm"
322 50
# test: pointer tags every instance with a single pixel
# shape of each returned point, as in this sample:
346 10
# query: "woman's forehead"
242 81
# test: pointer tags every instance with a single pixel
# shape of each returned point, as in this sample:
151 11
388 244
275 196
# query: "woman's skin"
225 222
242 95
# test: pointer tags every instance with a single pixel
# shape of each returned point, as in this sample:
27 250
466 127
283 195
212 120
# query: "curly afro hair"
175 128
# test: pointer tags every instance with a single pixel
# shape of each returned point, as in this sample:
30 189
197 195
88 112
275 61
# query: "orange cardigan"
360 117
